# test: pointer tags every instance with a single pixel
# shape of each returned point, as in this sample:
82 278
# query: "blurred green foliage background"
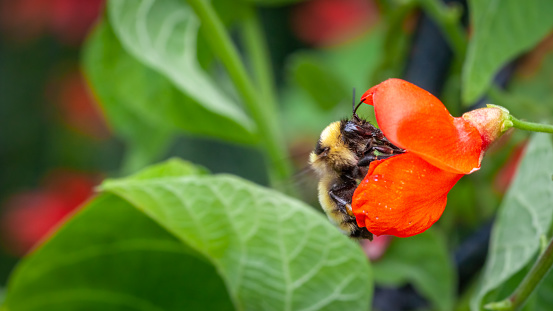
84 97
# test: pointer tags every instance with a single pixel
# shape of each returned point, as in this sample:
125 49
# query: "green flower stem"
394 39
256 49
448 20
528 284
529 126
264 117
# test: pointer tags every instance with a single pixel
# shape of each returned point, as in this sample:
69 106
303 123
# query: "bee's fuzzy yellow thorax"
338 154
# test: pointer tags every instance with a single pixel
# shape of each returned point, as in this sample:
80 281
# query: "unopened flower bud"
491 122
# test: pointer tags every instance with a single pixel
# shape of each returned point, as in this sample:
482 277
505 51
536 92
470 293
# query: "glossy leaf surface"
149 240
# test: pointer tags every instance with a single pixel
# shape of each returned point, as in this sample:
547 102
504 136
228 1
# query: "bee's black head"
319 149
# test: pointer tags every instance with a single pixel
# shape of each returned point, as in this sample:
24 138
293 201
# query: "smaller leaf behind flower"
163 36
142 66
125 90
501 31
524 216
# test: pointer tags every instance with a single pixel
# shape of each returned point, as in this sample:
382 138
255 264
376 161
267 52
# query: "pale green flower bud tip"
499 306
505 110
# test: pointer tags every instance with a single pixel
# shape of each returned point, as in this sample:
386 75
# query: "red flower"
77 106
30 215
67 20
405 194
330 22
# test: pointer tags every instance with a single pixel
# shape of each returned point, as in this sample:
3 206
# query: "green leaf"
264 244
524 216
126 90
177 242
422 260
162 35
171 168
501 31
146 106
111 257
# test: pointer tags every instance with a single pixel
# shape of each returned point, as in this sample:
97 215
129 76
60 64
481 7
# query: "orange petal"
402 195
415 120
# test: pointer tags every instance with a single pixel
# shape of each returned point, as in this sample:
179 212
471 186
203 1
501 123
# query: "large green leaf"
501 31
162 35
524 216
422 260
111 257
158 241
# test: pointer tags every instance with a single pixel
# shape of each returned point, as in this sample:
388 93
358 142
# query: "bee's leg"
343 205
367 159
384 156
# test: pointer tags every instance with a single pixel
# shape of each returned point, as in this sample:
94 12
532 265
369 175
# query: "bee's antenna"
356 107
353 102
353 106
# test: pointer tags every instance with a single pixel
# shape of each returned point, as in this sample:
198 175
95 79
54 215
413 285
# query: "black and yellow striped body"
341 159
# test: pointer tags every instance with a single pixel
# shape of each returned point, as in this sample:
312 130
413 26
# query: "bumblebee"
341 159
